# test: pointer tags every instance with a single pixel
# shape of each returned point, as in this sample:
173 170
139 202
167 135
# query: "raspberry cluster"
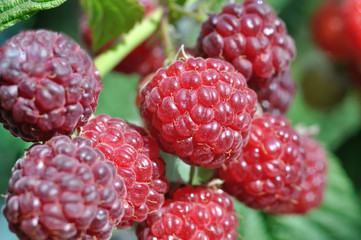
48 85
136 157
199 109
192 213
64 188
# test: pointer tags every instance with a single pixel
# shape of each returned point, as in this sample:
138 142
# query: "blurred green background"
340 124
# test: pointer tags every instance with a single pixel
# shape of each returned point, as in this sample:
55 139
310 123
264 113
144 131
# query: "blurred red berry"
328 29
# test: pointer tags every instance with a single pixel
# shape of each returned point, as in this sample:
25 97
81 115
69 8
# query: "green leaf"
338 218
12 11
184 170
109 18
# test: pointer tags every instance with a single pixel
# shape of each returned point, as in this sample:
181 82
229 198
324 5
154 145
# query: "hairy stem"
166 39
106 61
194 15
192 174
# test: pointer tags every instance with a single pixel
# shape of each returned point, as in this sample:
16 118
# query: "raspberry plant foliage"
342 221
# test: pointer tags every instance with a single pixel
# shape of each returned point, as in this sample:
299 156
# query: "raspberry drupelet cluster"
64 189
312 188
48 85
276 96
192 213
136 157
252 38
199 109
269 172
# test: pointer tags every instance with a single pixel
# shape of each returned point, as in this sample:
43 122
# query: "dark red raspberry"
199 109
48 85
271 168
276 94
64 189
193 213
145 59
313 186
328 29
136 157
251 37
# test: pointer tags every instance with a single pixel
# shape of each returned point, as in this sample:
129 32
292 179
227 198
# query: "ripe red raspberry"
64 189
311 194
271 168
136 157
328 29
193 213
199 109
145 59
48 85
251 37
276 94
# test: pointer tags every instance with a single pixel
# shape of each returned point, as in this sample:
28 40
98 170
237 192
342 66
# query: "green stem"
166 39
196 16
192 174
106 61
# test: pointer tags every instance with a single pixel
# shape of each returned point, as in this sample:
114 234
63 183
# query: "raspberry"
48 85
137 160
199 109
271 168
251 37
144 59
276 95
64 189
328 29
193 213
313 186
